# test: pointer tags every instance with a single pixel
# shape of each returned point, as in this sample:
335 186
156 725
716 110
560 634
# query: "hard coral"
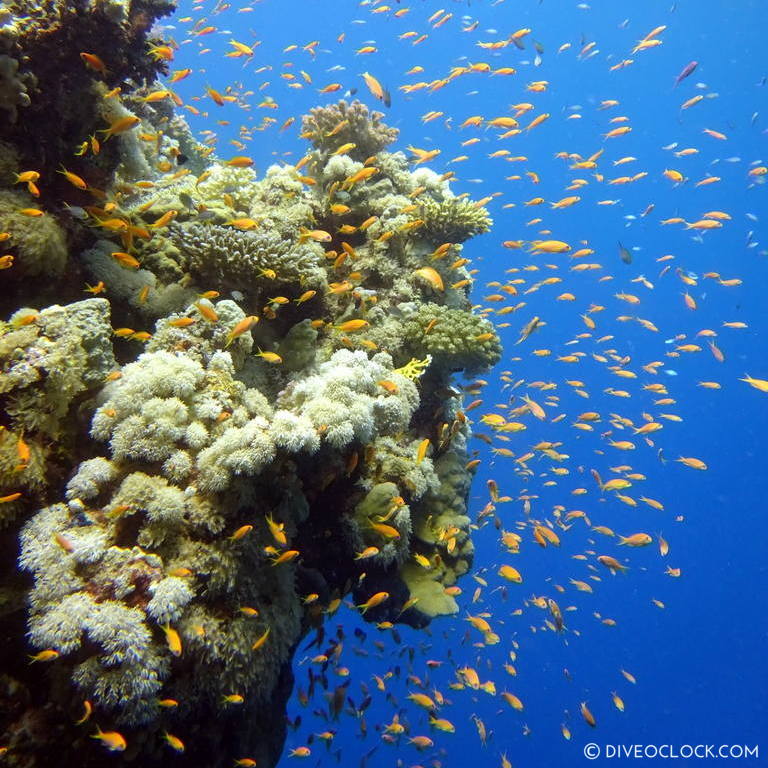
46 367
457 340
330 127
226 257
13 88
63 105
453 220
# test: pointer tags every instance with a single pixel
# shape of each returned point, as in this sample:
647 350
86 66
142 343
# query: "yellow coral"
414 368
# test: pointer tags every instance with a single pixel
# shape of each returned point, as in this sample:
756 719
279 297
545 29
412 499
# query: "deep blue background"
700 663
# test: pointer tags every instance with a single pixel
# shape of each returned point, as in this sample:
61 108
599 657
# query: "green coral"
453 220
48 363
454 338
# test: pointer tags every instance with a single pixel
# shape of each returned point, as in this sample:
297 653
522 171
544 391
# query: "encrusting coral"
281 420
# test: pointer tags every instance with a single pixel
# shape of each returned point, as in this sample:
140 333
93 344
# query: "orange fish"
121 125
94 62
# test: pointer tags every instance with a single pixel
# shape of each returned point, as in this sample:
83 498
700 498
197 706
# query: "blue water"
700 662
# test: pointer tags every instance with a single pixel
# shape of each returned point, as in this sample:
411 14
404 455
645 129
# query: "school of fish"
589 388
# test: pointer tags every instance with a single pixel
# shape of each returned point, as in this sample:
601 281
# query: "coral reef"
49 361
280 418
41 70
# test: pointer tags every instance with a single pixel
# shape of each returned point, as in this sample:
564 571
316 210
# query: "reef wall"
180 506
